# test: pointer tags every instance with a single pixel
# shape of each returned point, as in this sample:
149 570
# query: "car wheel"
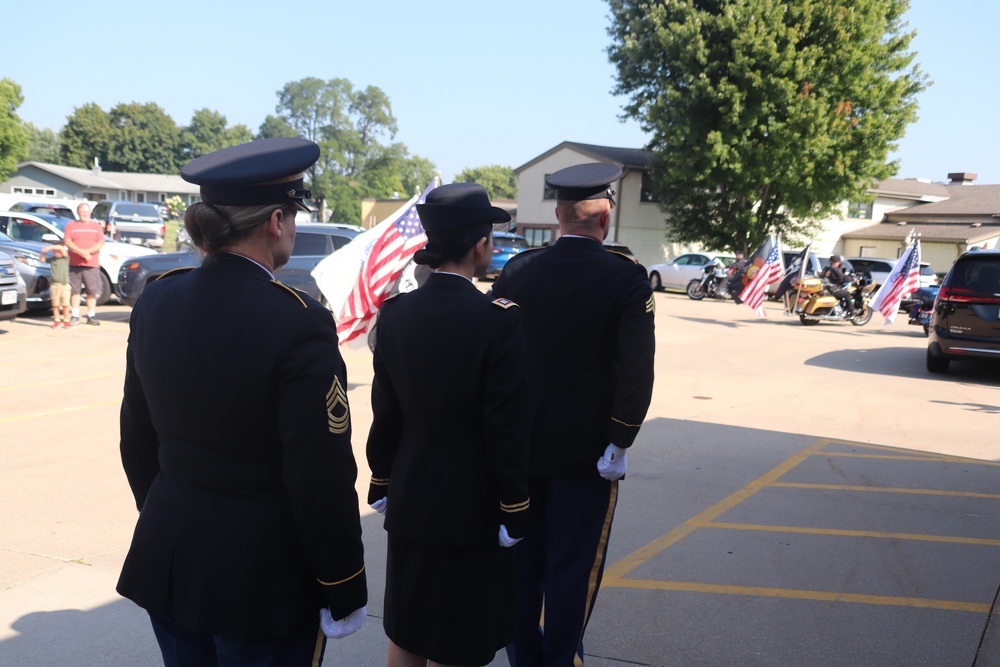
936 362
105 294
655 282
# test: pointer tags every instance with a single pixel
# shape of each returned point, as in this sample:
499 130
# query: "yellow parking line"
888 489
911 454
23 338
890 457
643 555
797 594
81 378
49 413
69 357
803 530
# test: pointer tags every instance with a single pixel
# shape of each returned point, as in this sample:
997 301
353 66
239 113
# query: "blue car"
505 246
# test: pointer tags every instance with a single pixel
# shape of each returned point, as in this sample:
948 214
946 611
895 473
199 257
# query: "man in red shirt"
84 238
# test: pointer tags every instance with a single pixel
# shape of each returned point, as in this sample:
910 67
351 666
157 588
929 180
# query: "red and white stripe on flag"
755 292
903 279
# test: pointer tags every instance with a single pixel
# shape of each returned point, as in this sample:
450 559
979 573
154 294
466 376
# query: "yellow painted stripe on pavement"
74 358
5 341
49 413
804 530
891 457
645 554
798 594
888 489
47 383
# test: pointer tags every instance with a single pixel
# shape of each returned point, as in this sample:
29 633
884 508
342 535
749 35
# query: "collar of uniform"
449 273
446 279
227 259
577 239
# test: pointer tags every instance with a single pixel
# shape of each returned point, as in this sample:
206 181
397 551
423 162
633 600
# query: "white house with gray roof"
33 180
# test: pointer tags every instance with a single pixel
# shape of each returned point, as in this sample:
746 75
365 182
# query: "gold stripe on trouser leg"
318 652
598 563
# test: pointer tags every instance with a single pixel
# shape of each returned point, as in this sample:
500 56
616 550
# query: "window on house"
647 194
163 197
538 237
859 210
548 193
140 197
40 192
867 251
122 195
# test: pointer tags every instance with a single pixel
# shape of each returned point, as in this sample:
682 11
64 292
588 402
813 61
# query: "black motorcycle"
713 282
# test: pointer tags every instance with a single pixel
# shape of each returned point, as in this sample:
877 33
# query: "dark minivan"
966 322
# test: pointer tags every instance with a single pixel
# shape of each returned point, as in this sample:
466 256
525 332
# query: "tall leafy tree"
13 136
764 114
85 136
499 181
43 144
143 139
209 132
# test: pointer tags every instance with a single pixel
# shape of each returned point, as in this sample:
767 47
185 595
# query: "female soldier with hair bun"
236 435
448 444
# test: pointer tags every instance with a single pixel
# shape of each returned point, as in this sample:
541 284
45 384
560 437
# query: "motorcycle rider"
836 276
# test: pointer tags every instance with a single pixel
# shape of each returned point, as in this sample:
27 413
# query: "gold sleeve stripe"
650 305
625 423
334 583
338 414
174 272
515 508
290 291
378 481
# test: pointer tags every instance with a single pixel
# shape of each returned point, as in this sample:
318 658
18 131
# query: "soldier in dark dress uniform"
588 320
448 445
236 435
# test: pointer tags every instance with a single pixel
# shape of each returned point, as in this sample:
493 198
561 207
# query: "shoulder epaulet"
175 272
291 290
392 297
623 256
504 303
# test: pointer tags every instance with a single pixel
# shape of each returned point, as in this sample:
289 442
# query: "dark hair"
213 226
451 245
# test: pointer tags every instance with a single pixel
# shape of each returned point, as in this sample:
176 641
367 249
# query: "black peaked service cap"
458 205
266 171
585 181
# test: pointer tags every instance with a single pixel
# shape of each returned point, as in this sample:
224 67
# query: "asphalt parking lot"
797 496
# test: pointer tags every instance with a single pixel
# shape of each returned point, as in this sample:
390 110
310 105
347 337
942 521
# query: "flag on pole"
357 279
768 271
903 279
795 271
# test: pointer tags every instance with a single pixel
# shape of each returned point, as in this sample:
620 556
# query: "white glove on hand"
380 505
505 539
340 629
612 465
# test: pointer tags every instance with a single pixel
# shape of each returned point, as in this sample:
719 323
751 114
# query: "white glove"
380 505
505 539
346 626
612 465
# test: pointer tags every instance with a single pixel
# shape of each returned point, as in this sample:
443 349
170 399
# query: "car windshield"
978 276
927 271
5 238
137 209
509 242
58 211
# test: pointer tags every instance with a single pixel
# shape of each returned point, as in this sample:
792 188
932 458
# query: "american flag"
390 251
903 279
771 272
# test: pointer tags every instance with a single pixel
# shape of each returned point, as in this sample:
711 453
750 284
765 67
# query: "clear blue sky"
470 83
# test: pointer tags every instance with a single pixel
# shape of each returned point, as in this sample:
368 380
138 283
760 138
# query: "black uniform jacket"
236 440
449 436
588 320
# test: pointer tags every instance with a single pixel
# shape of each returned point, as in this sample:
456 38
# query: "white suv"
135 222
46 229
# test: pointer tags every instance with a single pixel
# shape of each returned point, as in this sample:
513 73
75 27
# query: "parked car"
678 272
46 229
966 320
13 291
33 270
505 246
313 242
136 223
43 208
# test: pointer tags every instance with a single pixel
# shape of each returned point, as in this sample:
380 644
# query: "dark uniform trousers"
589 323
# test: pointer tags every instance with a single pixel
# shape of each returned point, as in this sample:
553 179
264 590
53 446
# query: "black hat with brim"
458 205
584 181
266 171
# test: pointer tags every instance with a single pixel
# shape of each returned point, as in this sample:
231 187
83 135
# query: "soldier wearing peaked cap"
588 320
236 435
448 444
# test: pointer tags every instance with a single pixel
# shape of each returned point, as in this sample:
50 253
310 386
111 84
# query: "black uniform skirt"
452 605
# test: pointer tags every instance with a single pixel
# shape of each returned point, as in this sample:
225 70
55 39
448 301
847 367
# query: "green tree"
238 134
43 145
764 114
143 139
85 136
274 126
208 132
13 135
499 181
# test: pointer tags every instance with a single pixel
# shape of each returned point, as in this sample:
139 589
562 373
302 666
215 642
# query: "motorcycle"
713 282
812 301
923 308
